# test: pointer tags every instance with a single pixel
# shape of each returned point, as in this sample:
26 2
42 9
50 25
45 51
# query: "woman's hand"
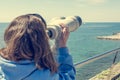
62 42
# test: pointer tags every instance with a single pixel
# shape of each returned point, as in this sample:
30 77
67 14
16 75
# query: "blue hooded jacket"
26 70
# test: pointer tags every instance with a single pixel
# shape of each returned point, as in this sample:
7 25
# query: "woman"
27 55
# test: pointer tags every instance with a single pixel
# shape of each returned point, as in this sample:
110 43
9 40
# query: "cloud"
96 1
92 2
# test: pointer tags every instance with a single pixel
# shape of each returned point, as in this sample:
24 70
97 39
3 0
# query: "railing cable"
96 57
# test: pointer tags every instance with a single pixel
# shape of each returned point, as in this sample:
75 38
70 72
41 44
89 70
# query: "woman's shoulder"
28 70
44 74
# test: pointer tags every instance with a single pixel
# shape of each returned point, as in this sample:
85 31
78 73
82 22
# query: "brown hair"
26 39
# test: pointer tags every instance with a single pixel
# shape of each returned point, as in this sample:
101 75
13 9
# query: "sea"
83 44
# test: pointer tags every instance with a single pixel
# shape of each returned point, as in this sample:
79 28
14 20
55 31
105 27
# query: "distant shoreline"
115 36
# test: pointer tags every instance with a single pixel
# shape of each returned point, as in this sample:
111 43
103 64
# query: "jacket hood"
16 70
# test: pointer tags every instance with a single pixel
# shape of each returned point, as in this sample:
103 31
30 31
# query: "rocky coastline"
115 36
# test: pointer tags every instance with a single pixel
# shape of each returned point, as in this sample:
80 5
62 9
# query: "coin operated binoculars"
54 29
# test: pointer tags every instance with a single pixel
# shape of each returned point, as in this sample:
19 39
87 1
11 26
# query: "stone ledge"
108 74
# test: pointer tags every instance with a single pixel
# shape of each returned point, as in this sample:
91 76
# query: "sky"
88 10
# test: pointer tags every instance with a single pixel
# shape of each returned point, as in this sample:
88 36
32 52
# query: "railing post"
115 58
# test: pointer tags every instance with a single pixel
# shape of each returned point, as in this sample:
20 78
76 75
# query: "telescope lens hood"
79 20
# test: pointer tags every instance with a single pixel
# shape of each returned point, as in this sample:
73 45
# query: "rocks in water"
115 36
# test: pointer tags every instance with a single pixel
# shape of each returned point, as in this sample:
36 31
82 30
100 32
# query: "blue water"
83 43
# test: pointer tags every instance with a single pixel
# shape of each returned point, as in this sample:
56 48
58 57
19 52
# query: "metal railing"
87 69
91 59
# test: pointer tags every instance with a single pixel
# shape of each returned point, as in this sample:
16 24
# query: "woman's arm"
66 68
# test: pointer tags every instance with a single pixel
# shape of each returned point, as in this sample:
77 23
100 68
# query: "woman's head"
26 39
